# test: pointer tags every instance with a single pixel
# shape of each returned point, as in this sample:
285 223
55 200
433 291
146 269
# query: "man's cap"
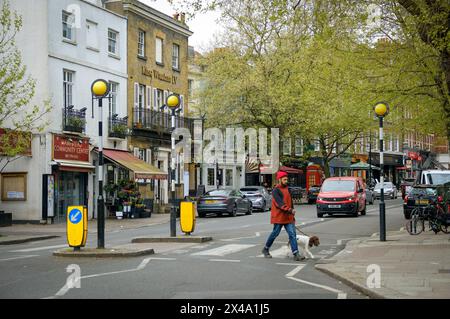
281 174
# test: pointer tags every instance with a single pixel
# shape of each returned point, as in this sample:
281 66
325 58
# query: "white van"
435 177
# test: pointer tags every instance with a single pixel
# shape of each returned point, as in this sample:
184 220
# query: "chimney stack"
183 18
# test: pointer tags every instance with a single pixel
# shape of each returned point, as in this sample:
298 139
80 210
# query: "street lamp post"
100 89
173 102
381 110
370 159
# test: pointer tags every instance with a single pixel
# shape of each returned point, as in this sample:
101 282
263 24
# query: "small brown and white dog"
304 243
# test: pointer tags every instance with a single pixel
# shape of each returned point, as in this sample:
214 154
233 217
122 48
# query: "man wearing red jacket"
282 214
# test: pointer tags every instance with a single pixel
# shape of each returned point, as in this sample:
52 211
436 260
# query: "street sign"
76 226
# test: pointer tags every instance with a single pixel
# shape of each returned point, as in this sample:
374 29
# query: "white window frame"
148 97
316 145
299 144
114 91
142 154
115 40
159 99
66 26
159 51
141 43
141 97
176 57
287 146
68 85
182 105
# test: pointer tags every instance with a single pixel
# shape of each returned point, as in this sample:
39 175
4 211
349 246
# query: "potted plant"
119 130
110 190
75 124
139 206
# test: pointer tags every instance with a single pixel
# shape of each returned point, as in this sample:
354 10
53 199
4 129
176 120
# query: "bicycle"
433 213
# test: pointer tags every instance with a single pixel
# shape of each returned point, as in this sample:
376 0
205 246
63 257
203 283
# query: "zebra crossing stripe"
223 250
277 253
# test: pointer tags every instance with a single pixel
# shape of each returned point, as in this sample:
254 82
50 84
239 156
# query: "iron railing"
146 119
118 127
74 120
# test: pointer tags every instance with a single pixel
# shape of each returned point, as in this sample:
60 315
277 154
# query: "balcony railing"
118 127
146 119
74 120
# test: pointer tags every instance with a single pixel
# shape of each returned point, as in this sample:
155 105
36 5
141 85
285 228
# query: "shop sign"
70 148
154 74
267 169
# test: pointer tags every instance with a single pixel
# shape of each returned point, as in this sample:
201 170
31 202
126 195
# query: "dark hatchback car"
313 192
259 196
224 201
419 195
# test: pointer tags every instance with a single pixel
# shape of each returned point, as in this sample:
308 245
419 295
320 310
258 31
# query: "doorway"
71 190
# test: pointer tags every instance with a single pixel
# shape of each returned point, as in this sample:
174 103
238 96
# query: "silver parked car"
370 195
390 190
259 196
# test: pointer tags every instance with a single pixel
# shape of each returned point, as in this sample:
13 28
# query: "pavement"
21 233
409 266
40 230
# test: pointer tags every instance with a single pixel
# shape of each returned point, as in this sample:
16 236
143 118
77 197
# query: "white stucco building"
66 45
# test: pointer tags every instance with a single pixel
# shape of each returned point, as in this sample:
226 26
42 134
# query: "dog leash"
298 229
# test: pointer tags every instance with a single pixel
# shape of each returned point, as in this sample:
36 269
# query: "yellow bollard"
187 217
76 226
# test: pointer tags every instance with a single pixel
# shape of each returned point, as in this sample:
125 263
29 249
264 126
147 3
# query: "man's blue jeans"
290 229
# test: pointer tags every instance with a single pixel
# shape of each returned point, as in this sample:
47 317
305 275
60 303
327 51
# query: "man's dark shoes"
266 253
297 257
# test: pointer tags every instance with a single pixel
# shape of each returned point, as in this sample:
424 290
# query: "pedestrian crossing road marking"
283 251
223 250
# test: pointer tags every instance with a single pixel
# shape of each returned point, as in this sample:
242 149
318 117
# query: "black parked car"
419 195
224 201
313 192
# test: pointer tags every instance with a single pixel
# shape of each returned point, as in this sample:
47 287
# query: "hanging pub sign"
70 148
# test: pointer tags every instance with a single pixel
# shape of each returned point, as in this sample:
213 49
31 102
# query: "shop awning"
74 166
291 170
141 169
363 166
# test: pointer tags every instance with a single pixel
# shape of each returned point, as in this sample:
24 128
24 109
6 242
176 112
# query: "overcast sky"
204 26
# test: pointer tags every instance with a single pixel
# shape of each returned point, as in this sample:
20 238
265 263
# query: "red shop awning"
141 169
291 170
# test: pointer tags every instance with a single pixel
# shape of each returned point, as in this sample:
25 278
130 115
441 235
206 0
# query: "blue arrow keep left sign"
75 216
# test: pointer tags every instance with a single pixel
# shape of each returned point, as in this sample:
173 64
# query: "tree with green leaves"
291 69
18 119
418 75
316 68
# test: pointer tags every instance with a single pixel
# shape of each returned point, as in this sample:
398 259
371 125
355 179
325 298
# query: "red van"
342 195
